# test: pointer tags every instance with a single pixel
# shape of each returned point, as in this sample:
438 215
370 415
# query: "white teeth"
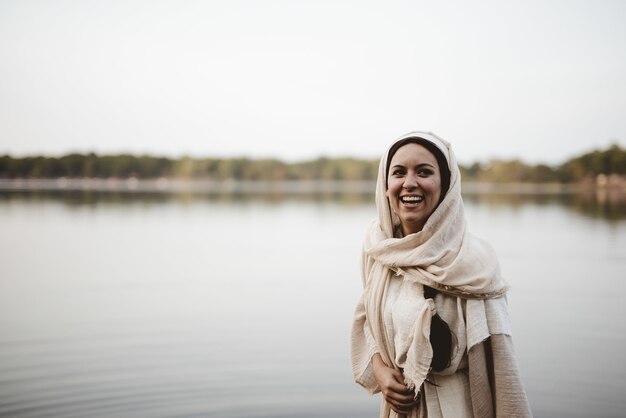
411 199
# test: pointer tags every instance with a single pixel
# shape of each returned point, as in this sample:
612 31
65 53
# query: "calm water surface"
172 307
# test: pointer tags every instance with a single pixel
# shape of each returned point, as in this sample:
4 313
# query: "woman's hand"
391 382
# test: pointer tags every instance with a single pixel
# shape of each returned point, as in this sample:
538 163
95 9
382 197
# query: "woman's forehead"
413 153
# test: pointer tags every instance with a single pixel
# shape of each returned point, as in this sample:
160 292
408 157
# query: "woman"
431 331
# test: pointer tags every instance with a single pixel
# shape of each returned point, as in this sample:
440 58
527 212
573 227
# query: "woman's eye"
424 172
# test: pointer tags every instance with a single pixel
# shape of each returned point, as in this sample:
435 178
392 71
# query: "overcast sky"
537 80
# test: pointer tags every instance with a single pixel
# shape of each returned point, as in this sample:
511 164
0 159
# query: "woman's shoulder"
373 232
481 246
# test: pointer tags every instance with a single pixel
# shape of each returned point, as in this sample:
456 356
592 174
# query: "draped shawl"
444 256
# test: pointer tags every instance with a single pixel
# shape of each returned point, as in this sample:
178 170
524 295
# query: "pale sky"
536 80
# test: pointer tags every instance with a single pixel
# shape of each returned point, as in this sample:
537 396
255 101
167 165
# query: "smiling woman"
432 331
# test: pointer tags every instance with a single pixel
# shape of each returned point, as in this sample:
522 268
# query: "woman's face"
413 186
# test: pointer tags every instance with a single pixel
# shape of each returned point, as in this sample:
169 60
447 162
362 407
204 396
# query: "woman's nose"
410 182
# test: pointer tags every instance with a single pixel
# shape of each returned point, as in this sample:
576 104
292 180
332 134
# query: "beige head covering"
443 255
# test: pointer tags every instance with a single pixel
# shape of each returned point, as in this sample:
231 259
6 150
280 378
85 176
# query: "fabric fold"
419 353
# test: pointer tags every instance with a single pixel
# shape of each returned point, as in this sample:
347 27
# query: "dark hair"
444 170
440 337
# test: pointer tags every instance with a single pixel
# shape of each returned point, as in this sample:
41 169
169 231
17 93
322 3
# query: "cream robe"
482 379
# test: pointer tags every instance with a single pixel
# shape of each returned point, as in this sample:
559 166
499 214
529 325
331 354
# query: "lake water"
183 306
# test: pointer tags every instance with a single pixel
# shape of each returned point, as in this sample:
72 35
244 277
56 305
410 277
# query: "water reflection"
604 204
601 204
91 197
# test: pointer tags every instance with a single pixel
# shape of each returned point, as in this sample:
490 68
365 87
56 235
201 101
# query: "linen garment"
393 317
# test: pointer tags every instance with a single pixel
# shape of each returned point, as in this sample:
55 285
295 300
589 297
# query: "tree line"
608 161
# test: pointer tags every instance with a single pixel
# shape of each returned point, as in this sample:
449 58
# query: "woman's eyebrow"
416 165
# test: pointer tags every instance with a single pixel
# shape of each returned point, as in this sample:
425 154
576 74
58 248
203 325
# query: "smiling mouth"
411 199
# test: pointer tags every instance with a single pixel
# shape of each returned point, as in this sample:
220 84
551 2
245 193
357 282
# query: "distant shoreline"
605 169
199 186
